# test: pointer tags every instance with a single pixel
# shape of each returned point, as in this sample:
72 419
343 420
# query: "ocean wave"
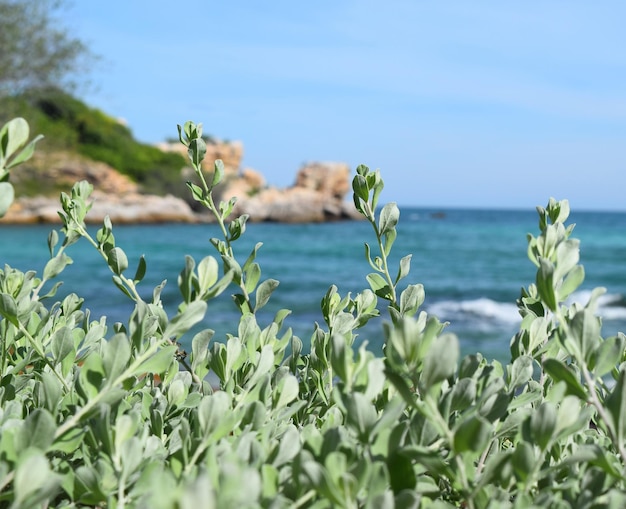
610 307
476 309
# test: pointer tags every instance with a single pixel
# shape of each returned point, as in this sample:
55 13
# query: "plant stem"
194 377
369 214
129 284
303 500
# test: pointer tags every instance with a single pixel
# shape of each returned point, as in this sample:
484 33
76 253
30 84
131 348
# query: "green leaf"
441 360
115 355
359 186
52 390
617 407
218 172
38 430
390 237
523 460
157 363
200 347
235 356
583 335
389 417
176 393
53 239
25 154
567 255
389 217
560 372
237 227
34 481
545 283
263 366
8 308
411 298
196 191
187 278
379 286
472 434
208 271
571 282
287 389
215 415
12 136
405 267
287 448
253 274
360 414
197 151
608 355
90 376
521 371
182 322
341 357
543 422
7 195
56 265
141 269
263 293
117 260
572 416
401 474
62 343
220 286
402 387
368 257
463 394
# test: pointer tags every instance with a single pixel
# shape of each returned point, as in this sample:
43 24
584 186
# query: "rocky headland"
318 193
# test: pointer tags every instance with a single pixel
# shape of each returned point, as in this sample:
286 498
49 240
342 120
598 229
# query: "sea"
472 263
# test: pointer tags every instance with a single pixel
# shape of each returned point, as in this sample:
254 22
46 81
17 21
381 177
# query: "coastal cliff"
318 193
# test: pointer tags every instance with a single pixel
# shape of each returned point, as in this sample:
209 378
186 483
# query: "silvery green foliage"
118 415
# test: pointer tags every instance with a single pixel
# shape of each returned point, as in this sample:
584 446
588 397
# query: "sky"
481 104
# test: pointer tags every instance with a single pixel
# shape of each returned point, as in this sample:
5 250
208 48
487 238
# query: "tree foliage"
36 50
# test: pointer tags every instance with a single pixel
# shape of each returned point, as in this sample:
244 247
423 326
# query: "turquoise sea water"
472 263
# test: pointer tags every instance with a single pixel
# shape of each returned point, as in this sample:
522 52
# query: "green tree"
36 49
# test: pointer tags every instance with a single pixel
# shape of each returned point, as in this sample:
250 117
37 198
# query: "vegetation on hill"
75 128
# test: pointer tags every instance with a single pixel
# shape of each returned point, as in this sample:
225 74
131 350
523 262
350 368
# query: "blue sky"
465 104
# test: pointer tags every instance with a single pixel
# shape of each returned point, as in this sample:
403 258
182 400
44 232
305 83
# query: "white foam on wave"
482 309
488 311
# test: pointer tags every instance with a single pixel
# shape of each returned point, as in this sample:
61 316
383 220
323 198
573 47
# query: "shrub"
132 420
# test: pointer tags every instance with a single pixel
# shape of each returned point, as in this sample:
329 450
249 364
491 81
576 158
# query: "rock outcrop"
126 208
114 195
317 195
